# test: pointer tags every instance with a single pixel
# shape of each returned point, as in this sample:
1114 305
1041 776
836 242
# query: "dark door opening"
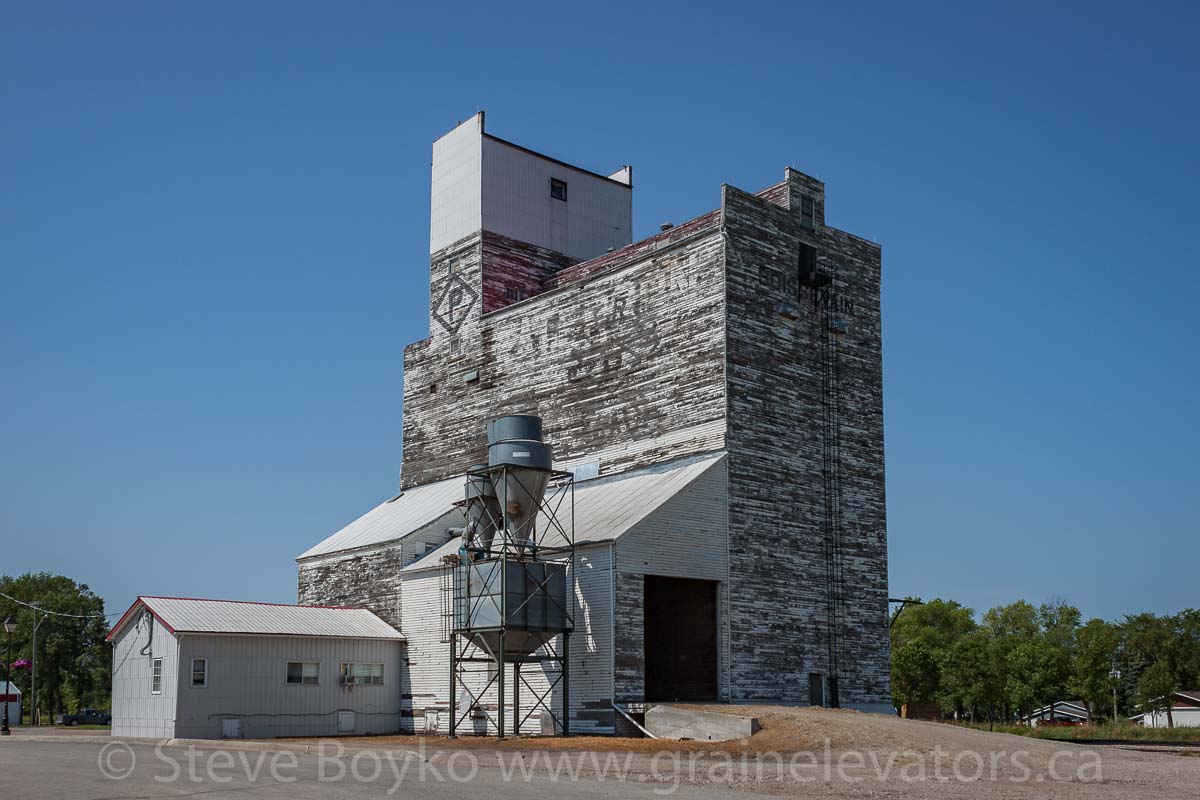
680 639
816 689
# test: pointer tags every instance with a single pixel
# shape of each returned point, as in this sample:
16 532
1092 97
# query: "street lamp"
10 625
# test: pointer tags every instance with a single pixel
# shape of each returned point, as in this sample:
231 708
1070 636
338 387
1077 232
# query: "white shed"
13 699
1185 712
209 669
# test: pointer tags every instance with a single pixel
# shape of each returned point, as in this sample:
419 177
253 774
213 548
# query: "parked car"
88 716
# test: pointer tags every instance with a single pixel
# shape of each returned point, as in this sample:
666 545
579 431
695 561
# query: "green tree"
1095 653
74 662
1007 627
1034 676
968 679
915 675
1187 633
922 637
1155 688
1059 623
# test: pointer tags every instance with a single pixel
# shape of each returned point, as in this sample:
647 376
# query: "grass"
1104 730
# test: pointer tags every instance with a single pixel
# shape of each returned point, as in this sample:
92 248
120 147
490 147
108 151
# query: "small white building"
1185 712
13 699
208 669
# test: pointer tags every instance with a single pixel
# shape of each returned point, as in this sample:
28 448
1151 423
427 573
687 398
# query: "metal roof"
605 508
409 511
191 615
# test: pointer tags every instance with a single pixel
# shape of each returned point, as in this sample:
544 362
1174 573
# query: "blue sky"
214 249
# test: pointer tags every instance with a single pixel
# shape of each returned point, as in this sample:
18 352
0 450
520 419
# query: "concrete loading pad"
672 722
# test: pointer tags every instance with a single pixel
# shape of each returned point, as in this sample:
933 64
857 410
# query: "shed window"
199 672
512 294
304 673
156 676
558 189
362 674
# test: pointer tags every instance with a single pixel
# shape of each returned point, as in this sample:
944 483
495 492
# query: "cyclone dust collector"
510 578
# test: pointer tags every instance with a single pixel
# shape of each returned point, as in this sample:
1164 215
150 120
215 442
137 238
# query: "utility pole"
33 712
1115 674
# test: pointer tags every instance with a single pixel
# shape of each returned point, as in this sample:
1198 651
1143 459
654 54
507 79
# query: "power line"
59 613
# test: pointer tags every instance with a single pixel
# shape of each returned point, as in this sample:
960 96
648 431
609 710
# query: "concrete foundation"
671 722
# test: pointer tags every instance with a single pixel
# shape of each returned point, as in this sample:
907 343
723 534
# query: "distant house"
209 669
1185 712
1063 712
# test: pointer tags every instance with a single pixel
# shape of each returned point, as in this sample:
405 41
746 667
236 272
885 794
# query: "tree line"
73 660
1018 658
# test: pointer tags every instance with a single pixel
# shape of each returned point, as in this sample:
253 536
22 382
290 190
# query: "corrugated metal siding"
224 616
591 653
516 202
455 207
247 681
135 710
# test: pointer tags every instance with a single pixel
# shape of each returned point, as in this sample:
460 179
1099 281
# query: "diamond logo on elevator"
455 303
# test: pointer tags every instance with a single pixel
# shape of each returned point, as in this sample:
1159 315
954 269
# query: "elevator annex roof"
607 507
394 519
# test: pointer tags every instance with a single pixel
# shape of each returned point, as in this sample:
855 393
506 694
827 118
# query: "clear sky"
214 227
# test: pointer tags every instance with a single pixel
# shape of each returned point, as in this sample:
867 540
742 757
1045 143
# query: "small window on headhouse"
433 388
808 211
455 346
558 189
512 294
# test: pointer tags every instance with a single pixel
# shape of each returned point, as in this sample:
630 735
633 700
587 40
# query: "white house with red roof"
208 669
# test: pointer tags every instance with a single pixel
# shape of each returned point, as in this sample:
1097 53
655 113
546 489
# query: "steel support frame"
466 650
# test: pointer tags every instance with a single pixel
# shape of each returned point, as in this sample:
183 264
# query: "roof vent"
666 226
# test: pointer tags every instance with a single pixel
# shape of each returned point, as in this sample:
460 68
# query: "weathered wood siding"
672 346
634 355
777 557
370 577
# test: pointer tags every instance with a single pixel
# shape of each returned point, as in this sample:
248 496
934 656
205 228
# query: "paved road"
76 771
